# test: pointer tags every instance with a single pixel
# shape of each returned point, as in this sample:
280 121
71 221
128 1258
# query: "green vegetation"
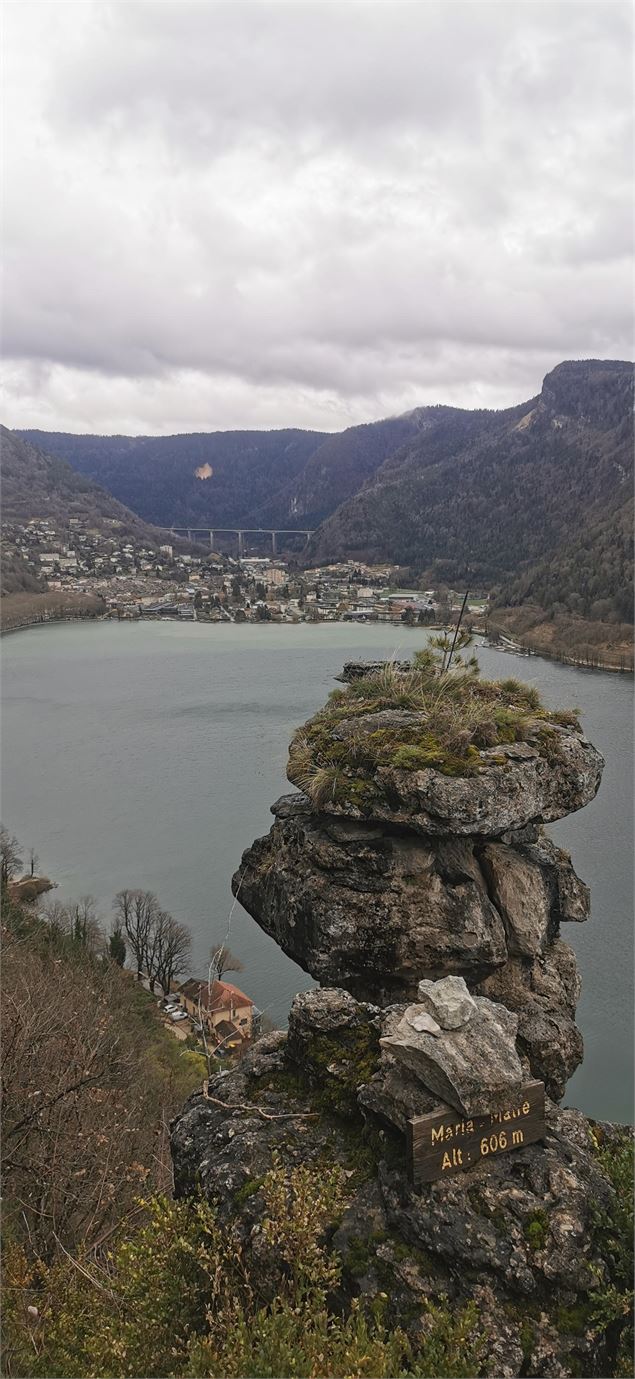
182 1296
248 1189
453 716
536 1230
589 577
341 1067
612 1304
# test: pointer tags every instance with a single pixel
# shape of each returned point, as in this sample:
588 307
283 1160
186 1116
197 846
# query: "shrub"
182 1297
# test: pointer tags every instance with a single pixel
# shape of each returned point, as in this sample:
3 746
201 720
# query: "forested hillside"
590 575
248 478
35 484
336 470
483 497
156 475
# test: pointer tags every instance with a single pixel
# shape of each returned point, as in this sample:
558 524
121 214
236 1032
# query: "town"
181 580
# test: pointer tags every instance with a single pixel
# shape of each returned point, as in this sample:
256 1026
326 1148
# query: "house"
225 1011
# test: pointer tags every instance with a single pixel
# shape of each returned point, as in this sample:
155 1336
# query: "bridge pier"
211 540
241 545
274 545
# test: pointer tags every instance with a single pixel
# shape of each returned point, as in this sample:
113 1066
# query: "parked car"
178 1014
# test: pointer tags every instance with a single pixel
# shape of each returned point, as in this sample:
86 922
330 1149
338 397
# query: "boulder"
357 670
544 995
367 908
448 1001
475 1069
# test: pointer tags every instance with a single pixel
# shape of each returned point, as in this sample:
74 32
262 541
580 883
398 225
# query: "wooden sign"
444 1143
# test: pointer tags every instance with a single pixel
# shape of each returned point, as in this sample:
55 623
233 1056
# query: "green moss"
459 715
549 745
248 1189
403 1253
358 1257
536 1229
573 1320
283 1081
340 1066
352 790
526 1336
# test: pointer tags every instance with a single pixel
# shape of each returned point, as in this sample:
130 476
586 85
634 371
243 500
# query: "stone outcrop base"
518 1235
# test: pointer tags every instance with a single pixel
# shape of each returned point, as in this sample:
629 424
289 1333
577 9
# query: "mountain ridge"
485 497
491 498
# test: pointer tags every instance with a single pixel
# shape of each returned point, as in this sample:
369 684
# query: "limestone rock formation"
399 875
370 908
428 902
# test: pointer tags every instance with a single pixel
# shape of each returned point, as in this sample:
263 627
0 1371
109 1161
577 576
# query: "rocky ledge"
529 1238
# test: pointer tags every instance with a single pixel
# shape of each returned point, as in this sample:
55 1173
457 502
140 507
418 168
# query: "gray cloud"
266 214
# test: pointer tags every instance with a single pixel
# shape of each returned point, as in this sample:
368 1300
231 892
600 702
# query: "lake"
148 754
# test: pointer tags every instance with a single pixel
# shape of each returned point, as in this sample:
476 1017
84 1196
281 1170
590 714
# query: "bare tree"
136 912
34 860
58 918
10 859
86 1097
173 943
223 960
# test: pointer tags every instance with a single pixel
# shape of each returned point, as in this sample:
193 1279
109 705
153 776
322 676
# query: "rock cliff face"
429 907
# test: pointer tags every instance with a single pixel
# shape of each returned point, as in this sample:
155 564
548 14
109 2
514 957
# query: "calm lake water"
148 755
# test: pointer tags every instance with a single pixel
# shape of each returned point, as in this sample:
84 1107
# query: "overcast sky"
255 214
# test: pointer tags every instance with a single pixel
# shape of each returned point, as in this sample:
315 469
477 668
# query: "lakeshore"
89 609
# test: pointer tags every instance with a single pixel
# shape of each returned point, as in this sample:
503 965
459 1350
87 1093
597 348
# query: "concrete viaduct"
192 534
